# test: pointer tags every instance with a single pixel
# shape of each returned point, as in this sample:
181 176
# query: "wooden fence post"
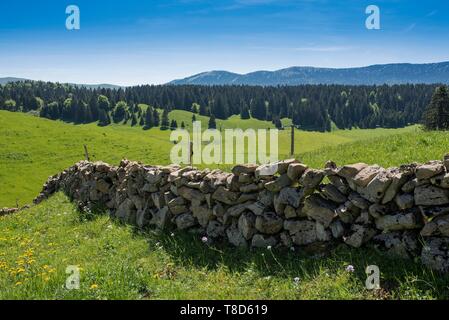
86 153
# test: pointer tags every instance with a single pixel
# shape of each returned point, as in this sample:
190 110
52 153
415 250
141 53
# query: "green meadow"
118 262
32 148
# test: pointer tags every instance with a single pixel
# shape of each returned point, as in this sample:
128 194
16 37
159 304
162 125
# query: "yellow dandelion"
94 286
19 283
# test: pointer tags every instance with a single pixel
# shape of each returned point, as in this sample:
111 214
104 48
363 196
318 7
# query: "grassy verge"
116 262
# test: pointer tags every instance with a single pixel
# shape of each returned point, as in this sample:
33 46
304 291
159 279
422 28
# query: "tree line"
311 107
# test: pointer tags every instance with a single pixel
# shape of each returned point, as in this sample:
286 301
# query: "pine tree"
149 121
104 118
133 120
244 112
183 125
156 118
165 122
173 125
212 124
436 115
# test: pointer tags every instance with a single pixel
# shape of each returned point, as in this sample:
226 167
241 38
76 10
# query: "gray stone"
401 221
332 193
441 181
398 179
401 244
364 176
428 170
289 212
161 218
277 185
261 241
375 190
235 237
244 168
337 229
248 188
202 213
185 221
320 209
435 254
295 170
303 232
430 196
311 178
404 201
340 184
359 236
247 224
215 229
269 223
225 195
257 208
439 226
350 171
237 210
191 194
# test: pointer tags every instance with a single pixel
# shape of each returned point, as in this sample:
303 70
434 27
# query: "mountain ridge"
377 74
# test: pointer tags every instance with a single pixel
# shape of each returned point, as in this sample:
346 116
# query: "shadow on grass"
188 250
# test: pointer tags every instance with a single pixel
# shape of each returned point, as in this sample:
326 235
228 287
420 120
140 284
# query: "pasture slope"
117 262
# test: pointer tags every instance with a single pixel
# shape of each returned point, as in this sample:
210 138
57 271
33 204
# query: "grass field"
32 149
38 244
116 262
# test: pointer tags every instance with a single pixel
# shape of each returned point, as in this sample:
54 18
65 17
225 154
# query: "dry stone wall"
404 211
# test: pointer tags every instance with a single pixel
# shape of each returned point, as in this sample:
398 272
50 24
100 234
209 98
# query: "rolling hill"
400 73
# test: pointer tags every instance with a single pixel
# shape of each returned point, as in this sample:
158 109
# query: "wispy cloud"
323 49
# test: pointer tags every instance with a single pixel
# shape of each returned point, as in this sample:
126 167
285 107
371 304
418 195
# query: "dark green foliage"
436 115
311 107
212 124
173 125
183 126
165 122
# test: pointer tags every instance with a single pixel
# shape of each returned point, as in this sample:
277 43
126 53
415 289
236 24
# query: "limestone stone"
404 201
350 171
202 213
215 229
311 178
428 170
225 195
320 209
277 185
235 237
428 195
435 254
244 168
360 235
295 170
247 224
269 223
400 221
261 241
184 221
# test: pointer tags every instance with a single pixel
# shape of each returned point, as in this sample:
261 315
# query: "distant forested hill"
311 107
397 73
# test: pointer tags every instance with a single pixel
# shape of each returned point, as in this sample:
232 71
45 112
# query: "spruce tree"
165 122
212 123
133 120
436 115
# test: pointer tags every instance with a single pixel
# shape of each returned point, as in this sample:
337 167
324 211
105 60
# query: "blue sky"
137 42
